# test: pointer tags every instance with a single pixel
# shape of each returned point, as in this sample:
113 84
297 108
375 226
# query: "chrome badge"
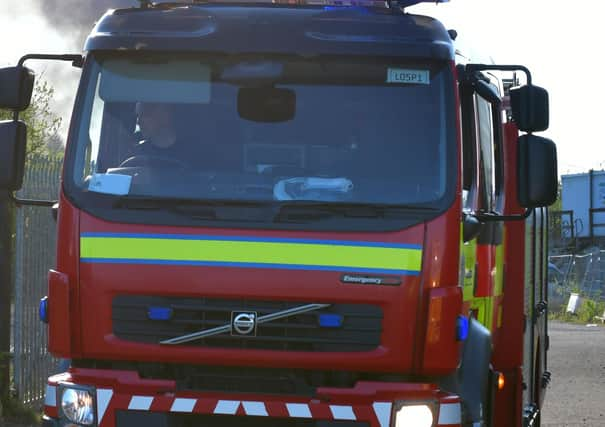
370 280
243 323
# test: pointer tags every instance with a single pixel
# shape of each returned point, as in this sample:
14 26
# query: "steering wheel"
146 160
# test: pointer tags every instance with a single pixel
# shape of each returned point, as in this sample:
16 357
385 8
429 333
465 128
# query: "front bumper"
124 399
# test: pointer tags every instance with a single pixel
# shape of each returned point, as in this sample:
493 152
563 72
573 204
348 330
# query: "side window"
469 150
482 151
488 130
94 136
484 130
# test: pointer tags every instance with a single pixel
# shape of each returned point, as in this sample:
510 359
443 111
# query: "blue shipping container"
576 196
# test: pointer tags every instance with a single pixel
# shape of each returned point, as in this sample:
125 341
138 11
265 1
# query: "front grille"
360 329
157 419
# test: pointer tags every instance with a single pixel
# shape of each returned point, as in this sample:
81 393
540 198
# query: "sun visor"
124 80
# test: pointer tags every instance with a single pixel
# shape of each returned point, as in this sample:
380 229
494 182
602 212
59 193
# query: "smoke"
77 17
51 26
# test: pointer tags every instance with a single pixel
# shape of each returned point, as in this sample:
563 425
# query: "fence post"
6 231
18 293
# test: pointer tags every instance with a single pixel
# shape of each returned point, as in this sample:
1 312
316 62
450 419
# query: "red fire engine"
300 213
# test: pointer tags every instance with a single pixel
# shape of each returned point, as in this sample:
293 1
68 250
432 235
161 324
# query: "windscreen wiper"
150 202
195 208
309 210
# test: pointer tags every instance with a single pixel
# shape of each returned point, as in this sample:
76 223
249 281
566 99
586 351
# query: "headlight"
78 404
414 415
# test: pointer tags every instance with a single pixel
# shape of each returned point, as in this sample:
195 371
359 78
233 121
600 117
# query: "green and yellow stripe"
251 252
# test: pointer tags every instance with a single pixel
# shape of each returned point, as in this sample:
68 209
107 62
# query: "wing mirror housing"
13 135
537 171
16 87
529 105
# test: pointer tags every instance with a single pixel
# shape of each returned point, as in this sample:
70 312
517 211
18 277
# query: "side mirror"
16 86
13 135
537 171
529 106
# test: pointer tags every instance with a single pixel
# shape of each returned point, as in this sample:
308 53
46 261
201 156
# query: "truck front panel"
280 240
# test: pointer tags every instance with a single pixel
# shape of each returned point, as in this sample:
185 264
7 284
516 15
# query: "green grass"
585 314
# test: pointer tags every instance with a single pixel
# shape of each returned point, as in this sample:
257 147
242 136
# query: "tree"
42 123
559 226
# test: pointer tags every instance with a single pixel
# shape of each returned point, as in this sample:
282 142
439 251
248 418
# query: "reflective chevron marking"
140 403
376 414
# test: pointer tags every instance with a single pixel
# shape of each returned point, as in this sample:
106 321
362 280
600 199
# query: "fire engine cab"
294 213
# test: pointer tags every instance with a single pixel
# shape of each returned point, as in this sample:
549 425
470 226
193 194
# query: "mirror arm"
76 61
471 68
30 202
491 216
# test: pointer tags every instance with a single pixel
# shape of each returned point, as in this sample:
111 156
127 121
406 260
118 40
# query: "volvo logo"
243 323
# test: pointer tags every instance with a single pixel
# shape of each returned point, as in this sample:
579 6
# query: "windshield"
265 129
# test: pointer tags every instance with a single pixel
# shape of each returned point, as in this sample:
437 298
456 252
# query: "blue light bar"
332 3
461 328
408 3
159 313
341 3
330 320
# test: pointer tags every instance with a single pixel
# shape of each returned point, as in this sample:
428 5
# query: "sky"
557 41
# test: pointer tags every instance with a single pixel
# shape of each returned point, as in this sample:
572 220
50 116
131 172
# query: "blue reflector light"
461 328
43 310
330 320
159 313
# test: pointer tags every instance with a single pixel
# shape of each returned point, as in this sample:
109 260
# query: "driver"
159 144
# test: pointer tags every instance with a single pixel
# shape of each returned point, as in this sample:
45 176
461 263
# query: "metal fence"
34 255
582 273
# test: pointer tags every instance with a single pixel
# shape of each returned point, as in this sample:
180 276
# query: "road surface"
576 395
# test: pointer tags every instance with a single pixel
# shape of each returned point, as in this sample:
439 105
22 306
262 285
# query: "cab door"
483 191
483 183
